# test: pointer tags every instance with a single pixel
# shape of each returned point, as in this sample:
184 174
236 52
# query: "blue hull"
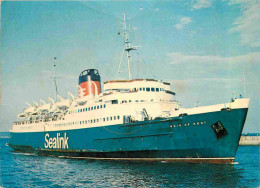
192 137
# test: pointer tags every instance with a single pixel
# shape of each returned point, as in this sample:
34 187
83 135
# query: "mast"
54 79
128 47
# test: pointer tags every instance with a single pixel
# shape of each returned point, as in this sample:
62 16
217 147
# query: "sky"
206 49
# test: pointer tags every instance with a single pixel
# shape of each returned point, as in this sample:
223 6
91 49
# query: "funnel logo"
56 142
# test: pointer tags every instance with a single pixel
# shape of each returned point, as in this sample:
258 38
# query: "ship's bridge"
148 89
137 84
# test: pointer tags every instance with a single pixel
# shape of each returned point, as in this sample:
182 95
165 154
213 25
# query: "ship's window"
140 89
141 100
162 89
137 101
201 123
118 117
198 123
111 118
86 121
143 89
114 101
104 119
94 107
114 117
107 118
148 89
86 109
78 110
97 120
157 89
91 121
124 101
97 107
100 106
69 112
104 106
152 89
83 109
130 100
194 123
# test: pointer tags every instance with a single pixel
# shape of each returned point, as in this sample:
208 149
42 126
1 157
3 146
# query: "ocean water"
26 170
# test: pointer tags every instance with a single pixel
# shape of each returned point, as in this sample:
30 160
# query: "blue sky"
204 48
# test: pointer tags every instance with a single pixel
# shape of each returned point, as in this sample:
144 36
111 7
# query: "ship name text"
56 142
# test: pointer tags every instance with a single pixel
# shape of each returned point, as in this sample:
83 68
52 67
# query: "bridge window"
114 101
148 89
152 89
157 89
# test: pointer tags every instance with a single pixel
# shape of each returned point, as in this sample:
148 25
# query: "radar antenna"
128 47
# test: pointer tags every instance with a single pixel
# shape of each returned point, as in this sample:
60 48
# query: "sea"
30 170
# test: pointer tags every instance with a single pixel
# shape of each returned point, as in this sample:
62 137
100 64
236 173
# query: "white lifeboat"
30 109
22 115
44 106
63 103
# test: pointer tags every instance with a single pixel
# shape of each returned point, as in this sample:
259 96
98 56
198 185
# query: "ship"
249 139
132 119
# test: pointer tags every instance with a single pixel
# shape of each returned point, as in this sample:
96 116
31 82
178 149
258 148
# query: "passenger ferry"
135 119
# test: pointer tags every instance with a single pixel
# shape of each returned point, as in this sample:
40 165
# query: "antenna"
127 49
54 78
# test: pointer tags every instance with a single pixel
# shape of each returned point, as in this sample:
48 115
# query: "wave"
4 137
